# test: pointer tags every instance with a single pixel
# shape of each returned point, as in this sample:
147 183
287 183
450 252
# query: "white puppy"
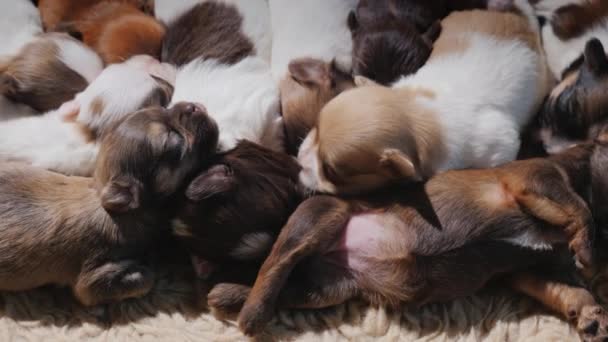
19 24
65 140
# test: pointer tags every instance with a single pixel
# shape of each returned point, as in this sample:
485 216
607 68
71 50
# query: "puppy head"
365 139
122 89
235 209
49 71
577 108
310 84
148 156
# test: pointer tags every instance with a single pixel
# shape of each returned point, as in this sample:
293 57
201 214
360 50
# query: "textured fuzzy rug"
168 313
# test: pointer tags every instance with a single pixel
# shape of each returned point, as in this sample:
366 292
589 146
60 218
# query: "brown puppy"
54 12
576 109
94 235
234 210
432 242
310 84
117 31
48 71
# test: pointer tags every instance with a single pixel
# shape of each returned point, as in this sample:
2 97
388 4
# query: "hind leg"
575 304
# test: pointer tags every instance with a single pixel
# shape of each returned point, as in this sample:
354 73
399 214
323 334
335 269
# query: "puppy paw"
254 318
592 323
226 300
581 247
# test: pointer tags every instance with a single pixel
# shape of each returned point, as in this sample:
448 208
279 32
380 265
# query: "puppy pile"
305 153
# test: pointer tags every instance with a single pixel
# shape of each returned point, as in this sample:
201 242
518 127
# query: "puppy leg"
314 227
113 282
575 304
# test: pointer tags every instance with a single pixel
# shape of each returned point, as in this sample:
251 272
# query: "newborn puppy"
568 29
434 242
66 140
576 109
19 24
48 71
308 86
117 31
313 28
225 69
372 136
96 235
234 210
55 12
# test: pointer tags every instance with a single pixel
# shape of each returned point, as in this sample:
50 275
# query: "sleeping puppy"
95 235
434 242
226 69
576 108
48 71
568 29
55 12
66 140
117 31
313 28
371 136
308 86
19 24
234 210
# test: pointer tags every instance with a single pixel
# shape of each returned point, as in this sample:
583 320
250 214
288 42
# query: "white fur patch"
530 239
19 25
252 245
79 57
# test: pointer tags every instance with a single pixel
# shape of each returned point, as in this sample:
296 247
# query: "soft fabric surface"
169 314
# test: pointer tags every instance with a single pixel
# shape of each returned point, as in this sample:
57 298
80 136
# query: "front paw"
254 318
592 323
583 251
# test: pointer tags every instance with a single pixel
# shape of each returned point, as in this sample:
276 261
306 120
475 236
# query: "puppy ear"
8 85
399 165
121 195
215 181
353 23
362 81
431 35
309 72
595 57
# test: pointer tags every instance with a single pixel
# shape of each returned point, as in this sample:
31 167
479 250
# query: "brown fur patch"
575 19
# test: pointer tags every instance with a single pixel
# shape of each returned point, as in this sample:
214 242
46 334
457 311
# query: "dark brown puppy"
441 240
234 210
310 84
183 43
54 12
577 108
117 31
572 20
95 235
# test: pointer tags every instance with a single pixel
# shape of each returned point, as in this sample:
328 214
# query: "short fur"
419 126
234 210
19 25
309 85
48 72
96 235
313 28
66 140
576 109
117 31
433 242
241 96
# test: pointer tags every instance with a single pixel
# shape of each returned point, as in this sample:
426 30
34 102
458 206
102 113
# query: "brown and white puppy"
233 211
55 12
433 242
309 85
48 71
117 31
576 109
95 235
373 136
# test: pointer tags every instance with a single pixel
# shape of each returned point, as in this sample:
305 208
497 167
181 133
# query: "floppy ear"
431 35
309 72
8 85
121 195
362 81
215 181
399 165
353 23
595 57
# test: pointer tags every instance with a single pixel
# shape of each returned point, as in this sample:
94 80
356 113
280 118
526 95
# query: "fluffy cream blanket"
168 313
